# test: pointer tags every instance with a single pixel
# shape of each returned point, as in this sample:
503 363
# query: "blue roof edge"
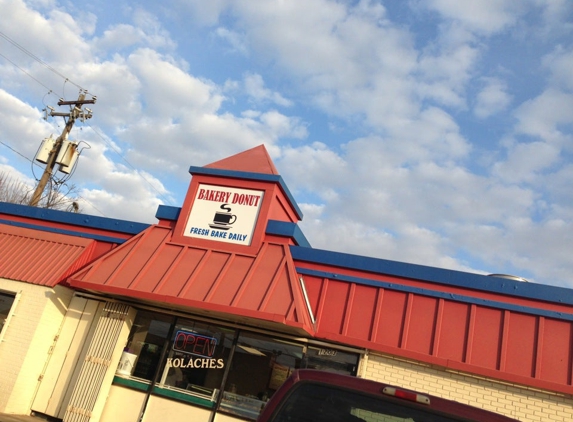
108 239
76 219
443 295
261 177
167 212
287 229
456 278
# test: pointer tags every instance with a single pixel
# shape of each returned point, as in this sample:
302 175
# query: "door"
66 356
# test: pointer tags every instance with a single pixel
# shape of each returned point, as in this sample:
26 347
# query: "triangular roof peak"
255 160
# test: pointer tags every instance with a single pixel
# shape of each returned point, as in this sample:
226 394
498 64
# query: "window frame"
156 384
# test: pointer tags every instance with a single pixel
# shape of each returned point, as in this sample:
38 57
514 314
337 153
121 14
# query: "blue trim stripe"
82 220
107 239
440 295
472 281
166 212
260 177
286 229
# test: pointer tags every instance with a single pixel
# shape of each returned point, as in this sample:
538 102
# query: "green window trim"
187 398
130 383
163 392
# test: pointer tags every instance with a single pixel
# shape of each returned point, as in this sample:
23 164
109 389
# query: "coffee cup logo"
223 220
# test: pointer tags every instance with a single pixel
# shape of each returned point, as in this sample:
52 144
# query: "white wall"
33 324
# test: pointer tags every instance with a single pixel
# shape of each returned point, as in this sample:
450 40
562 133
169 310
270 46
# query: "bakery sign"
224 214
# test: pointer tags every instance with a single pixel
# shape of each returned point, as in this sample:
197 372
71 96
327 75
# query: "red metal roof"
255 160
515 339
39 257
152 267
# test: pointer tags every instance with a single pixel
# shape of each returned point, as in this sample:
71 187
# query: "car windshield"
313 402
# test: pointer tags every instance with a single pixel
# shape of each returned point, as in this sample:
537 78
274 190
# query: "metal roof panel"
153 267
40 257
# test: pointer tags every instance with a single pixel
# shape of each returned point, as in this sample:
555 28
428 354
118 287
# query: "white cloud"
492 98
556 16
398 179
199 12
255 88
525 161
560 63
236 40
544 116
486 16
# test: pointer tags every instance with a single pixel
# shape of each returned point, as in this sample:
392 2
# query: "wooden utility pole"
74 113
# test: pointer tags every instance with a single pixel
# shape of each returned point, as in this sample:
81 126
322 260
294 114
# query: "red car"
317 396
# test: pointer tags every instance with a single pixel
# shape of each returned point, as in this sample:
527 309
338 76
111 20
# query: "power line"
33 56
66 79
15 65
20 154
92 205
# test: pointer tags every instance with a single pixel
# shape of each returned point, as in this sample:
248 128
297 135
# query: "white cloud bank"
439 156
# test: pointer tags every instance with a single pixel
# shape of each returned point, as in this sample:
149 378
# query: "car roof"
375 388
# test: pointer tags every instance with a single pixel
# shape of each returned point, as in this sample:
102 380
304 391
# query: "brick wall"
35 319
515 401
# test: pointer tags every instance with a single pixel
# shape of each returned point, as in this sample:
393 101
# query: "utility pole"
75 112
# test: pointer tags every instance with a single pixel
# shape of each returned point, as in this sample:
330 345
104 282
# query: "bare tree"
58 196
13 191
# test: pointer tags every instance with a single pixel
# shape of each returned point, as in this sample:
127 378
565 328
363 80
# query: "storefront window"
147 337
331 360
198 355
260 365
196 360
6 301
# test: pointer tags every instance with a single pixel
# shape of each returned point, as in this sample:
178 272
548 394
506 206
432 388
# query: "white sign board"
224 214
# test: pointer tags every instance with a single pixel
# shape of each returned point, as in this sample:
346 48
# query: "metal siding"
421 324
486 338
156 269
453 281
38 257
203 278
454 323
231 280
259 280
335 299
521 344
180 272
438 328
152 265
106 268
392 316
280 296
142 252
314 286
362 313
556 357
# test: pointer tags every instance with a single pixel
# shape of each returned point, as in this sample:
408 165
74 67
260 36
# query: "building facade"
205 313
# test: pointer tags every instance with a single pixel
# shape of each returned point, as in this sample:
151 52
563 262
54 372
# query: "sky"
434 132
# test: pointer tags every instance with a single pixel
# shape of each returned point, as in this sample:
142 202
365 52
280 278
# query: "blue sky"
436 132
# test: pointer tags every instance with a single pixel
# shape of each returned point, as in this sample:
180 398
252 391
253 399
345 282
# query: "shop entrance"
66 355
83 360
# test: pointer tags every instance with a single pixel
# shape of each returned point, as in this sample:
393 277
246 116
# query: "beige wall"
115 408
33 324
160 409
514 401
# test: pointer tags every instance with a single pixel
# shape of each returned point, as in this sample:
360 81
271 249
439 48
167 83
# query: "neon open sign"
194 344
